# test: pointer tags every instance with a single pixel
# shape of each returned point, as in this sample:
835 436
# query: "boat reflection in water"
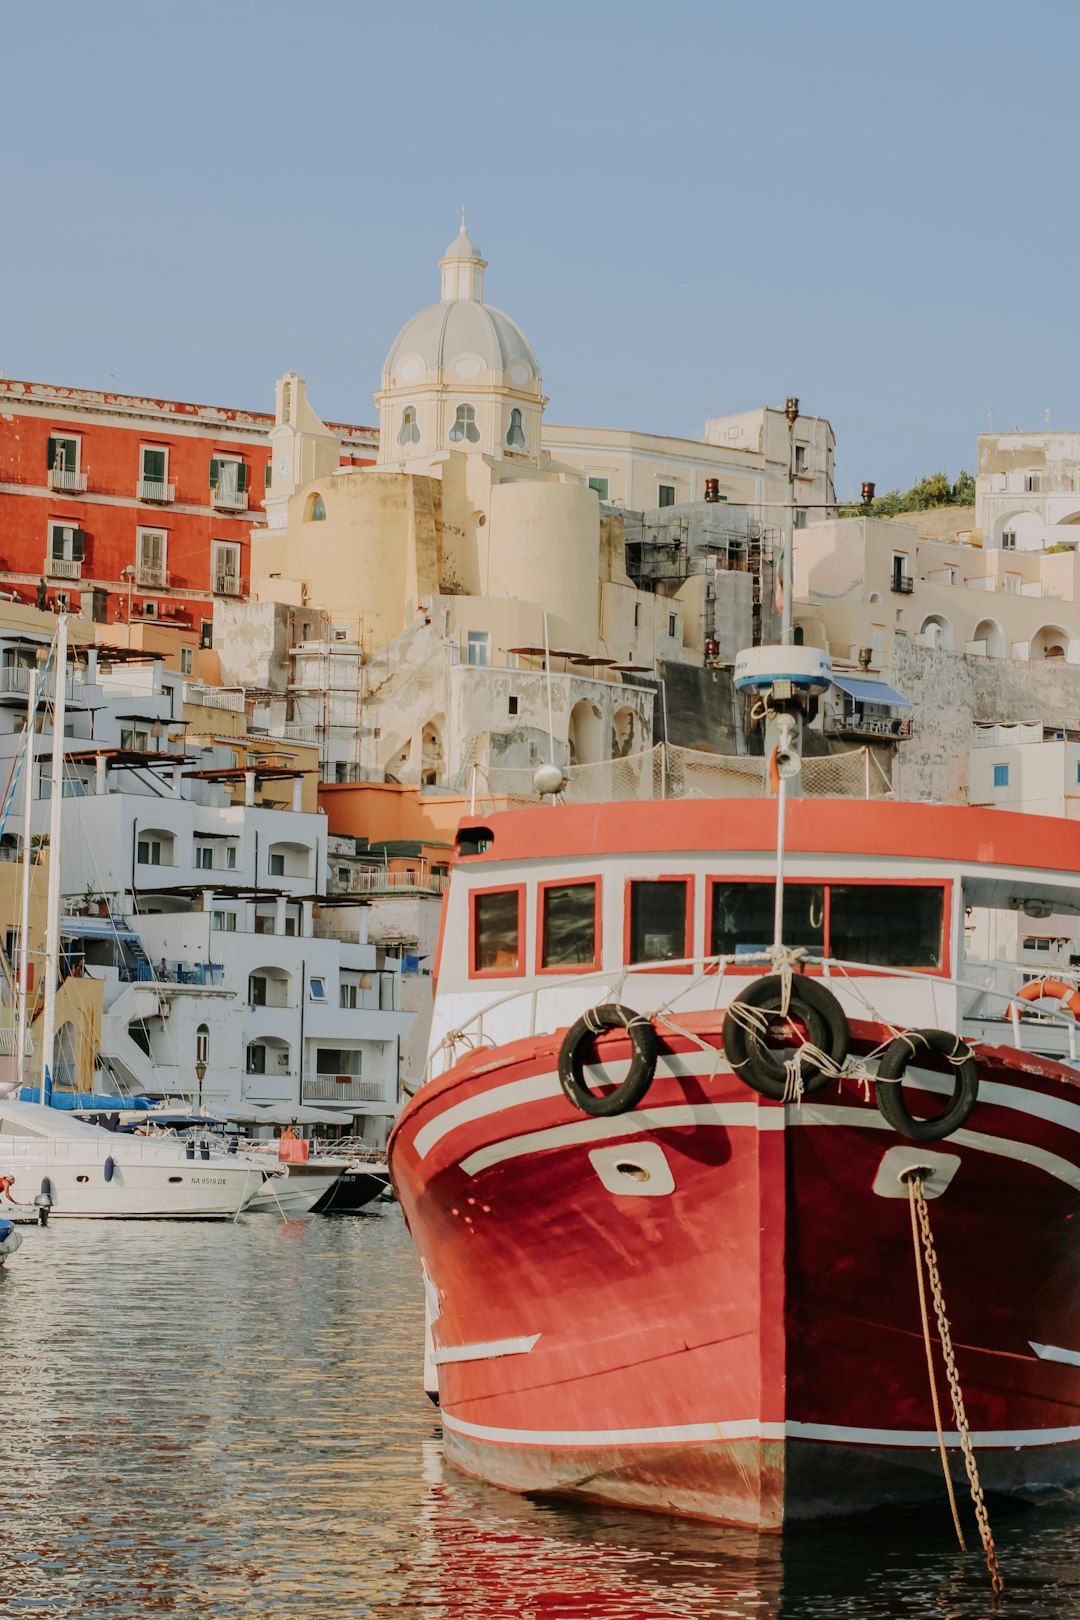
484 1554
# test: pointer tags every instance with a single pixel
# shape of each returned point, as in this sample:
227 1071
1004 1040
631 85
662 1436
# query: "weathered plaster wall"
950 692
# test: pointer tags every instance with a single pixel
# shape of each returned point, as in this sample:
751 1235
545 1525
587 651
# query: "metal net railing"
667 772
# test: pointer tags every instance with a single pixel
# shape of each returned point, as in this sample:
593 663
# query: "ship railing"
471 1033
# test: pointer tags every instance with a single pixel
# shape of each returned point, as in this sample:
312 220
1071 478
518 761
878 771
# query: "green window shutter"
241 477
78 540
215 472
54 445
269 474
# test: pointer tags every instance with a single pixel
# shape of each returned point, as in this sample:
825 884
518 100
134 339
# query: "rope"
920 1223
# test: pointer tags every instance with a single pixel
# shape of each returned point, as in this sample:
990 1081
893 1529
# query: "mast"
787 564
52 927
27 856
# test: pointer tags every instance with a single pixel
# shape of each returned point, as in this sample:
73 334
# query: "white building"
1027 491
193 879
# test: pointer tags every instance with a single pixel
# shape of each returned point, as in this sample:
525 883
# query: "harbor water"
228 1421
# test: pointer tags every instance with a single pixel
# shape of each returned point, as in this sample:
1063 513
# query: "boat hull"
709 1306
138 1188
297 1192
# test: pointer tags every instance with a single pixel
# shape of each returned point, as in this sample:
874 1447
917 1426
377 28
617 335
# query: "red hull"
737 1337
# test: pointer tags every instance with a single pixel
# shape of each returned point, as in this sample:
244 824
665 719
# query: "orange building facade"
144 505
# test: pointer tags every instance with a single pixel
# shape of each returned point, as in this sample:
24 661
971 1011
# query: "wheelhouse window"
659 915
497 919
568 925
741 917
887 925
875 924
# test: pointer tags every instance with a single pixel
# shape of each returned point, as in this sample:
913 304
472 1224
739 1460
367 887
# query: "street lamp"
200 1075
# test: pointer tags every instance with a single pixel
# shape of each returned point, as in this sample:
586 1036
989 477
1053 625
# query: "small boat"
364 1181
9 1240
296 1188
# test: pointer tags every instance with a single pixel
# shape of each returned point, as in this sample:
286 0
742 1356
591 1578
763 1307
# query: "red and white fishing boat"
706 1302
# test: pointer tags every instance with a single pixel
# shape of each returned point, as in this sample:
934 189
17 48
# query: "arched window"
315 510
410 427
465 426
515 434
202 1044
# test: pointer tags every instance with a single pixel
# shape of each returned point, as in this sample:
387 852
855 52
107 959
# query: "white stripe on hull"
485 1352
752 1429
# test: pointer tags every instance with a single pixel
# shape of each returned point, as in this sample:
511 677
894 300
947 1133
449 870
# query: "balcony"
62 568
65 482
887 728
378 882
300 731
341 1088
215 697
152 489
229 500
903 584
155 577
226 585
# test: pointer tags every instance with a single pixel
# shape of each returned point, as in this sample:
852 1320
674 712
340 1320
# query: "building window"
202 1044
515 434
315 510
1008 540
671 624
133 740
799 518
658 921
204 858
497 931
225 569
206 633
478 647
223 922
464 426
601 486
1012 584
1036 942
187 660
665 494
66 543
150 552
348 994
1001 776
150 852
317 989
277 865
568 925
800 459
410 427
1031 483
637 615
63 455
256 1058
268 476
153 464
513 704
228 481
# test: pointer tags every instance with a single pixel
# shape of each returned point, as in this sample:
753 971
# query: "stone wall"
950 692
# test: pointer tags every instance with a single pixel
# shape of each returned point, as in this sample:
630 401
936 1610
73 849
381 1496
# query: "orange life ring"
1067 994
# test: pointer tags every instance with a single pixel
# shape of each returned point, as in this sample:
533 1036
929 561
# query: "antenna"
1049 414
990 417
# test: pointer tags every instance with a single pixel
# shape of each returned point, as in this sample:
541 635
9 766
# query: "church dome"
460 339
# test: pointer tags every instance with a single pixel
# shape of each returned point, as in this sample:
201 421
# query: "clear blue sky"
875 207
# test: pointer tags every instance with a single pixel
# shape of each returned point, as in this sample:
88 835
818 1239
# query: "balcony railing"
885 727
903 584
339 1088
63 568
300 731
368 882
224 500
152 489
65 482
215 697
226 585
148 574
15 682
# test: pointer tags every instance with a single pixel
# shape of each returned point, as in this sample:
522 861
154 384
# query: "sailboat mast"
27 857
52 924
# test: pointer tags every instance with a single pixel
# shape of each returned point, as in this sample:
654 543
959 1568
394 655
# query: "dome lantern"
463 267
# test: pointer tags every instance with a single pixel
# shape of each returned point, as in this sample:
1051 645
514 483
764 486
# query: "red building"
122 507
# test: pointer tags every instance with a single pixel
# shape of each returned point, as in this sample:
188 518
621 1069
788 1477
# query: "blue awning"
95 928
871 692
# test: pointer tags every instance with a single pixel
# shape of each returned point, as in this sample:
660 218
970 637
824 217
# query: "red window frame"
686 878
570 883
828 884
497 972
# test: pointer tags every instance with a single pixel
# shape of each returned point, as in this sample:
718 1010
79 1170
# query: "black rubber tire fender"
893 1066
813 1005
578 1041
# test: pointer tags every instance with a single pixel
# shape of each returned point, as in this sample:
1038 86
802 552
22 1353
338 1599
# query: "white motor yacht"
79 1170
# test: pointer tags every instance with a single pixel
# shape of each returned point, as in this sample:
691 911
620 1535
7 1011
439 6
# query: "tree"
934 490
